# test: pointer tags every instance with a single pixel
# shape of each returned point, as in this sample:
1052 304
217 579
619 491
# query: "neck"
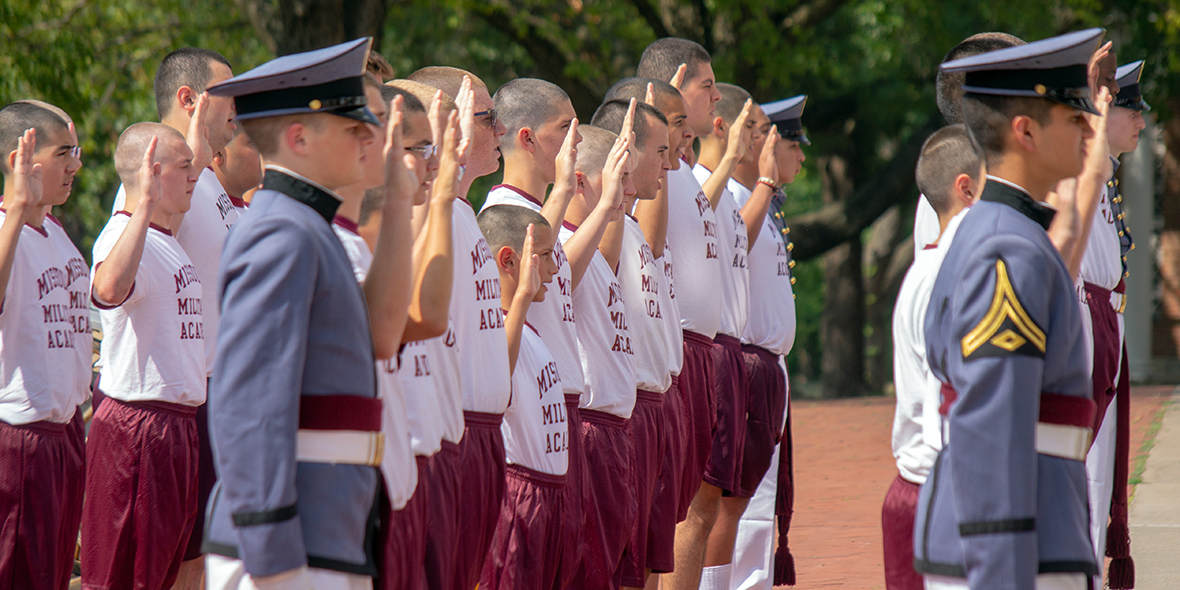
578 209
746 174
525 176
712 150
178 120
507 290
350 202
159 217
299 167
1024 173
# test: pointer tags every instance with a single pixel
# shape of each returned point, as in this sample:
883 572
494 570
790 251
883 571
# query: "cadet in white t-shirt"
529 542
45 349
950 175
142 447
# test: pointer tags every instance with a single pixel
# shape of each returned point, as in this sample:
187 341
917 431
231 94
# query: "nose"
500 128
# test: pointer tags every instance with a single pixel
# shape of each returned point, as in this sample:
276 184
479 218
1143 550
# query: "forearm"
653 220
580 248
388 285
1090 189
114 278
430 300
555 207
719 178
611 244
755 209
513 324
14 220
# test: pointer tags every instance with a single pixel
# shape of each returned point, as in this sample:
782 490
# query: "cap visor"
1083 104
358 113
799 137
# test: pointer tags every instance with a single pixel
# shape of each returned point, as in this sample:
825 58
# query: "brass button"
793 296
1121 234
1110 183
784 232
792 280
788 230
1116 182
778 215
1122 215
790 246
791 264
1131 248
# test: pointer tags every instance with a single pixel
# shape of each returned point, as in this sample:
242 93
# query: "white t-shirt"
45 337
425 410
536 434
202 234
153 345
917 427
692 233
772 303
675 340
477 319
733 246
397 462
553 317
604 339
926 226
652 321
1102 262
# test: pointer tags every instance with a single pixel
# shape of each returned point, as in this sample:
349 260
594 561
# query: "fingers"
678 78
26 146
771 140
149 155
393 131
629 120
650 97
437 124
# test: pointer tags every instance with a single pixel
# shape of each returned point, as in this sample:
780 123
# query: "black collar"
999 192
319 200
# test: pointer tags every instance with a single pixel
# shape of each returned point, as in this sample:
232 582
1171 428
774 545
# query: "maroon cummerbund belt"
340 412
1056 408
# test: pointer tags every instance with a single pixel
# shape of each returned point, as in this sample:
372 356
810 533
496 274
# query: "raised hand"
26 175
1097 147
738 136
446 186
566 180
150 187
650 97
678 78
466 103
530 269
400 180
627 132
198 134
1093 68
438 124
767 163
616 166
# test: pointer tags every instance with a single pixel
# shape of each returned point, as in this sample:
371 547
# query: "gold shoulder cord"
1004 305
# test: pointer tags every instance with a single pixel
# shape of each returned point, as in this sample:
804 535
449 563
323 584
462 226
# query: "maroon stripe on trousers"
340 412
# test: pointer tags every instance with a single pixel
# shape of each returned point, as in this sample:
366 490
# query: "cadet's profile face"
543 248
700 97
239 165
419 136
1062 145
789 156
651 161
679 132
374 152
1107 69
1122 129
59 163
341 149
220 110
178 176
484 154
551 134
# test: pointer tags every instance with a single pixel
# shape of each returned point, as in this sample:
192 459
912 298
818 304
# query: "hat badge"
1040 89
315 104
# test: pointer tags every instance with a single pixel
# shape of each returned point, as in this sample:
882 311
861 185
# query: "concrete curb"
1155 509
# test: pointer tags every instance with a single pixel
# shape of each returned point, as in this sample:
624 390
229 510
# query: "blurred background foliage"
867 65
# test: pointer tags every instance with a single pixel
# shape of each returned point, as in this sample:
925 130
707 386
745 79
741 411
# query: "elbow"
435 324
384 350
108 294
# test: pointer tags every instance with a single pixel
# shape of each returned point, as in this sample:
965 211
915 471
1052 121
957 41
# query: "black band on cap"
343 93
1038 81
789 125
1130 97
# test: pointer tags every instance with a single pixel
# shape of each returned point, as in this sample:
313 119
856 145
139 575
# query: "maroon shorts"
897 524
206 477
528 546
141 494
610 510
766 386
441 482
649 438
665 508
1104 323
700 413
404 540
575 494
481 490
724 468
40 475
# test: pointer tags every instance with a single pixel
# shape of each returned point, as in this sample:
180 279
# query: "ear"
10 161
581 181
720 129
506 259
187 99
1025 132
219 158
965 191
295 138
524 139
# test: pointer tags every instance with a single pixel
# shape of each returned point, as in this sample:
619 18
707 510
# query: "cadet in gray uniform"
296 502
1005 505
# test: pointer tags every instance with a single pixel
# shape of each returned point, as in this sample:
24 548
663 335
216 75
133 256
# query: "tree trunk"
1166 333
887 256
292 26
843 322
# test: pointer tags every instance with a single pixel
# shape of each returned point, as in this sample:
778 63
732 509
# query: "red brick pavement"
843 467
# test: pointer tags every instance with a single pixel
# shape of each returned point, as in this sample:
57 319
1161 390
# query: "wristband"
768 182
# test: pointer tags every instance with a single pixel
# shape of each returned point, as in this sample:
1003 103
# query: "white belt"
1062 440
352 447
1118 301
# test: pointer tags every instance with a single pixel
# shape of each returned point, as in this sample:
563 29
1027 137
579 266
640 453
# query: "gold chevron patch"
1006 325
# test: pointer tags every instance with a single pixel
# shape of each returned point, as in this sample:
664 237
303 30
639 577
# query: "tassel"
1118 540
1122 573
784 566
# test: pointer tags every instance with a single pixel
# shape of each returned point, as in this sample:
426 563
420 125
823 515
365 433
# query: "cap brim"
1135 105
1080 103
795 136
359 113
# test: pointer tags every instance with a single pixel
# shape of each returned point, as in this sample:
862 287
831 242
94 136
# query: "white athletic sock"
716 577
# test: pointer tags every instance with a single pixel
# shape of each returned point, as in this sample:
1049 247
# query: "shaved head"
666 95
445 78
663 57
49 107
946 154
508 225
733 98
134 142
613 113
592 152
187 66
949 86
416 96
528 102
19 116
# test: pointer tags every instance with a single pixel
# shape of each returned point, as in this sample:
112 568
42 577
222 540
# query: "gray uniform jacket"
1004 329
293 323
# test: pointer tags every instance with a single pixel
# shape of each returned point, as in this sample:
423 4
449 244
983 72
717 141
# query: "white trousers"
1100 481
753 553
225 573
1044 582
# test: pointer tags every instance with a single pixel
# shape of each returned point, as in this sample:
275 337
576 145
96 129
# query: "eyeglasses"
427 151
73 152
491 113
